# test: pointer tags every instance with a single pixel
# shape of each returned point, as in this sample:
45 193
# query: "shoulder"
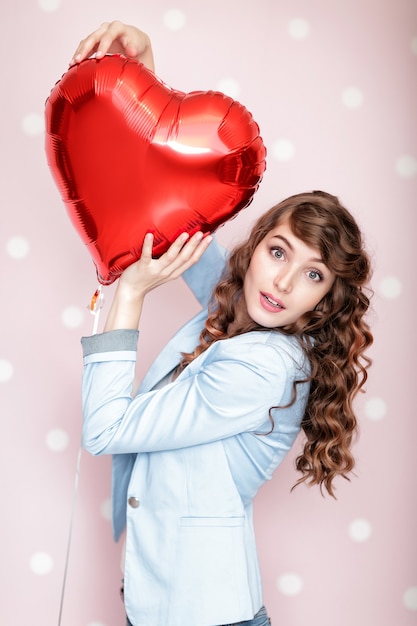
270 350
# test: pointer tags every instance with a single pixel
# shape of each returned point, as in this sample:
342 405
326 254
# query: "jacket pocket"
212 521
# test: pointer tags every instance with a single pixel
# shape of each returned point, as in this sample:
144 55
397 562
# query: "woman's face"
285 279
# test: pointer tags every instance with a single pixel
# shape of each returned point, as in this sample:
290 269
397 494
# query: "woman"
279 347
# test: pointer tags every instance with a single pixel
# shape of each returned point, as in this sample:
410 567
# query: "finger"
187 256
122 32
190 246
175 248
116 39
194 249
89 45
115 32
184 264
147 246
129 48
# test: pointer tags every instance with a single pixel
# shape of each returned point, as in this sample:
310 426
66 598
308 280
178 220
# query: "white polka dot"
72 317
289 584
41 563
33 124
105 509
375 409
414 45
283 150
18 247
6 370
390 287
57 440
229 86
410 598
352 97
49 5
406 166
360 530
174 19
298 28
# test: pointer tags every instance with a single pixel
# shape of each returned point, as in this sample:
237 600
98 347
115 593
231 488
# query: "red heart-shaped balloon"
131 155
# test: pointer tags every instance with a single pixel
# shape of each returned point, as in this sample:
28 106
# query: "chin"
266 322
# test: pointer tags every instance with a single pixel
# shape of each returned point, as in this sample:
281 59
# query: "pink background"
332 84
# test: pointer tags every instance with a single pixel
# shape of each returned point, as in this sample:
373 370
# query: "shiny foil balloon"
131 155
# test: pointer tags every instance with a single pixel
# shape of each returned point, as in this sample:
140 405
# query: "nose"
284 280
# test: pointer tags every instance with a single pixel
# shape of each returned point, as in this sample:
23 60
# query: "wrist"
129 294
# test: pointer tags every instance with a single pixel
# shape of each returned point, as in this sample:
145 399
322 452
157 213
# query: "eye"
277 252
315 275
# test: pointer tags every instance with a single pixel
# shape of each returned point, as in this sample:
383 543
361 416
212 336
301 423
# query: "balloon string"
74 500
95 307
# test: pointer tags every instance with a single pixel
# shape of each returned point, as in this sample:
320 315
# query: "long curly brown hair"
335 336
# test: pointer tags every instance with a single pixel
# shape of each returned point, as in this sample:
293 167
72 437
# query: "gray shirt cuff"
111 341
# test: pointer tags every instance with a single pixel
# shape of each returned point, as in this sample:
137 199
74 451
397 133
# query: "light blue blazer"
188 459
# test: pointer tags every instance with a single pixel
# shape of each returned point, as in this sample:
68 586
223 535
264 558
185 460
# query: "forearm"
125 310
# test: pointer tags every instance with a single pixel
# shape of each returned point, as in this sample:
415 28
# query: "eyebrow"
289 245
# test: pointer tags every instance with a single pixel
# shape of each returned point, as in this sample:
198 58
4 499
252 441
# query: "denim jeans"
260 619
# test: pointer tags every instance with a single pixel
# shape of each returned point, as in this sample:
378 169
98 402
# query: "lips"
270 304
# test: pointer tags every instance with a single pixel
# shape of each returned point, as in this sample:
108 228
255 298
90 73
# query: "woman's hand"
148 273
116 38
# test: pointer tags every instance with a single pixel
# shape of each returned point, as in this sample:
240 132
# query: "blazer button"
133 502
